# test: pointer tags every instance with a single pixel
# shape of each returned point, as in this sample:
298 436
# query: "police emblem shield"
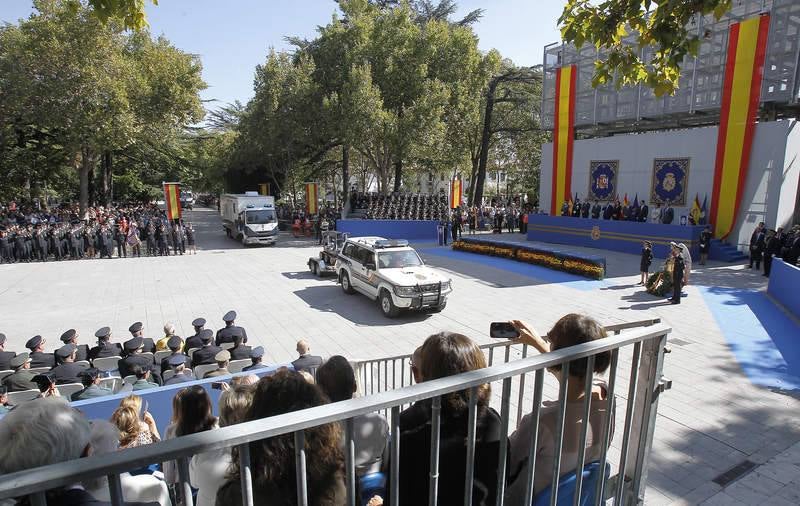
670 180
603 179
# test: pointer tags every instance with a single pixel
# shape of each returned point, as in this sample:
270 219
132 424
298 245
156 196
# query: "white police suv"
391 272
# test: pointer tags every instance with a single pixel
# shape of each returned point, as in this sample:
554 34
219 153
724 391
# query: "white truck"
249 217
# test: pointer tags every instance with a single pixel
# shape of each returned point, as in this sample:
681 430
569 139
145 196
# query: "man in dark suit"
306 361
149 346
174 344
226 335
67 371
757 244
678 268
82 350
644 212
5 356
596 210
195 341
133 349
38 357
91 386
22 378
669 214
206 354
180 373
105 348
255 356
239 350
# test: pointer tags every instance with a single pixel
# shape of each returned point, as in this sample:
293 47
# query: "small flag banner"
455 192
563 137
741 91
172 200
312 196
263 189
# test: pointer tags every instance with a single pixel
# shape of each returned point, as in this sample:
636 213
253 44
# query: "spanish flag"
312 196
263 189
740 98
563 137
455 192
625 201
172 200
696 212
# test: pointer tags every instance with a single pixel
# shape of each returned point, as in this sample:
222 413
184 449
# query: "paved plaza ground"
733 364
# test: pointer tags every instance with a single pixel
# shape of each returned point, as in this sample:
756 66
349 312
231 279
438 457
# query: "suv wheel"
438 309
388 308
346 286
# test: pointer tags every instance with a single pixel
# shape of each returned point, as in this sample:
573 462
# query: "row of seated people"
216 476
401 206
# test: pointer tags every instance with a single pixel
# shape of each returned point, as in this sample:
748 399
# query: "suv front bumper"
422 300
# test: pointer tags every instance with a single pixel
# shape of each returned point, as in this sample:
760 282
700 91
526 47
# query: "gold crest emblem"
595 233
669 182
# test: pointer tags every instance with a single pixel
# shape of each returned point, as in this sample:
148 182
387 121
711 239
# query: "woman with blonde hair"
136 428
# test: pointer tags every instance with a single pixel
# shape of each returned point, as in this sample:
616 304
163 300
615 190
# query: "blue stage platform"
622 236
413 230
784 282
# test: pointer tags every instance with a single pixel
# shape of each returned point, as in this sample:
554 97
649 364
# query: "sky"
232 37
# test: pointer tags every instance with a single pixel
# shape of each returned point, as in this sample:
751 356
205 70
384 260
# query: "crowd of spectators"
48 431
766 244
61 233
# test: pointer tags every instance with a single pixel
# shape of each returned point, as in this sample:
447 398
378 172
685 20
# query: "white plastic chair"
67 390
201 370
23 396
107 363
238 365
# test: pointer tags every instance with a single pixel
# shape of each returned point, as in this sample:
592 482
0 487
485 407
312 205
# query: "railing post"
433 485
300 467
394 467
245 475
115 489
350 461
644 411
183 477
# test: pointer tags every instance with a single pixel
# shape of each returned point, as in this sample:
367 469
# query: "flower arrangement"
550 259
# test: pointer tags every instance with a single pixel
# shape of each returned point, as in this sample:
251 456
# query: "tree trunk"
345 173
108 175
84 170
486 137
472 176
398 174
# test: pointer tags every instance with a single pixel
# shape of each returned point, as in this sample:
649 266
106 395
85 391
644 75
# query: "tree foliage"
660 24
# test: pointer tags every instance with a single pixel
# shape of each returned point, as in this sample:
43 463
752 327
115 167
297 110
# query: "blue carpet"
539 273
764 339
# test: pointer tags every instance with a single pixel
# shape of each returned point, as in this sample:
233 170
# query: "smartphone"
216 385
503 330
145 407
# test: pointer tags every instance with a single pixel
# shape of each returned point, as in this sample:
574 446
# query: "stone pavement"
714 418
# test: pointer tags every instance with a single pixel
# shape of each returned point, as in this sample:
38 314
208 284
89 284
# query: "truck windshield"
398 259
260 217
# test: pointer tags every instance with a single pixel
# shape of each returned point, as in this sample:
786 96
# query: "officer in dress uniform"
105 348
67 371
206 354
585 209
136 331
239 350
38 357
669 214
256 355
181 374
22 378
175 344
90 378
195 341
596 210
5 356
133 358
71 337
222 359
226 335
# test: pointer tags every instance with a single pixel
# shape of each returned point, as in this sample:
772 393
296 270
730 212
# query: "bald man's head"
416 360
303 347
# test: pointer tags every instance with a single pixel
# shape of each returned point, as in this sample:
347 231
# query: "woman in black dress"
647 259
705 244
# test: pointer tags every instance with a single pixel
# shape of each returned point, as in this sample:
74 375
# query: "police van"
391 272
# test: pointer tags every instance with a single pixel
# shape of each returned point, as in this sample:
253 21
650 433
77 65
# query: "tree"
661 24
131 13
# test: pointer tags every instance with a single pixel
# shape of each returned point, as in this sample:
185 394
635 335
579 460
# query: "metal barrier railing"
642 402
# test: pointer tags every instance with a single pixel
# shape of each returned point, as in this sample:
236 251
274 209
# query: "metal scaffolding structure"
605 110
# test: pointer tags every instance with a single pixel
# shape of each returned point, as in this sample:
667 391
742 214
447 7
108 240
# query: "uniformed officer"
91 386
136 331
38 357
174 344
67 371
225 335
71 337
5 407
222 358
133 350
180 373
195 341
206 354
143 374
5 356
239 350
255 356
22 378
105 348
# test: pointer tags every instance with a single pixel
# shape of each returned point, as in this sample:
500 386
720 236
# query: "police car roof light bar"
391 243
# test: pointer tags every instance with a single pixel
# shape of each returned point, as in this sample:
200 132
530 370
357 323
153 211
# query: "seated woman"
570 330
446 354
272 461
136 427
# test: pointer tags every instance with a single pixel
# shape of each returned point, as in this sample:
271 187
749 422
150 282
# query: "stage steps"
725 252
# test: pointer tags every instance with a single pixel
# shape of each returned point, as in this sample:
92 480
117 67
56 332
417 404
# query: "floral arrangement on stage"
660 283
550 259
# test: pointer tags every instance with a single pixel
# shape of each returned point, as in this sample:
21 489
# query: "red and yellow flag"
263 189
455 192
740 97
172 200
563 137
312 196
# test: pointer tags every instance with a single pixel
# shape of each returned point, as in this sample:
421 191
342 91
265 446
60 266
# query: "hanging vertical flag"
563 137
740 96
312 197
696 211
704 210
263 189
625 201
455 192
172 200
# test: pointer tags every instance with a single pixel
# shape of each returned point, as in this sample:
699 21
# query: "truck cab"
249 218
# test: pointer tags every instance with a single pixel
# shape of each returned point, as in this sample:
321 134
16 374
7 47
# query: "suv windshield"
259 217
398 259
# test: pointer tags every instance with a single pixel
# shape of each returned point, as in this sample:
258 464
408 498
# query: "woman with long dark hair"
195 412
272 460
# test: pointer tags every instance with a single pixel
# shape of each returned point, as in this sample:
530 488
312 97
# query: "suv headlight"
405 291
445 285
